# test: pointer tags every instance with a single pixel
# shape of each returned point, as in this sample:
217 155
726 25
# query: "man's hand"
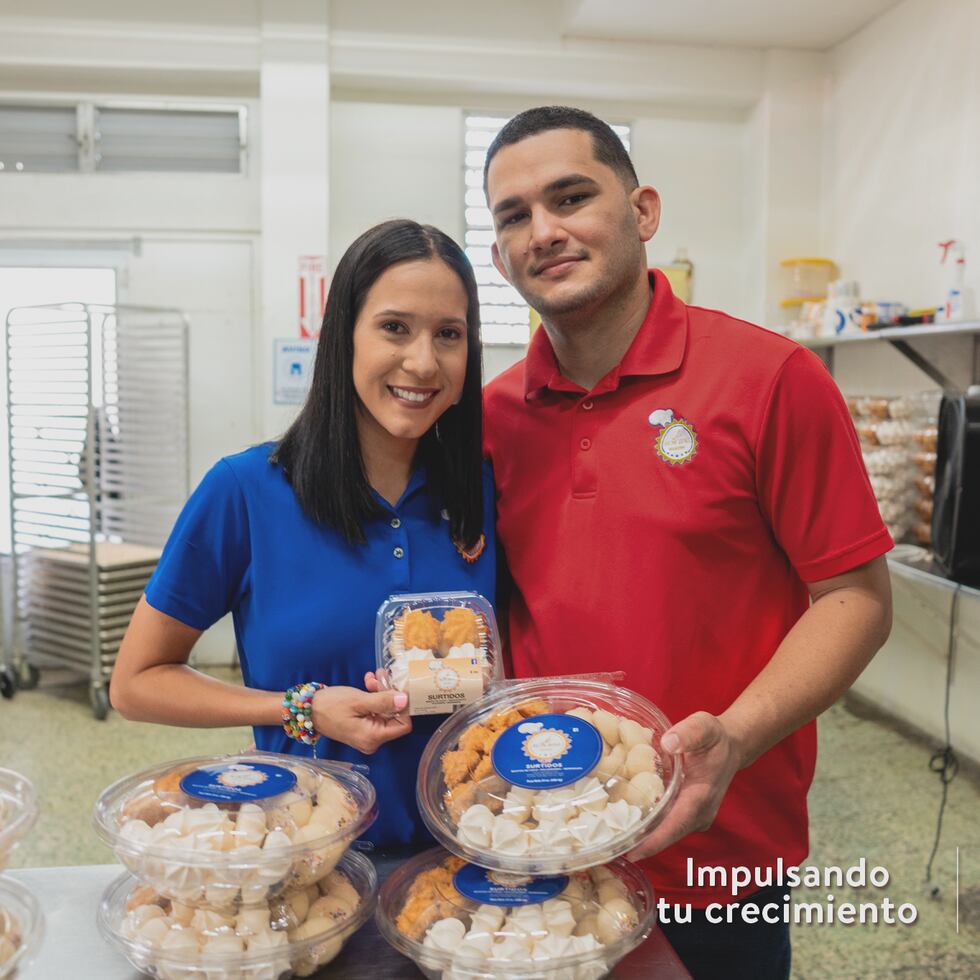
709 759
362 720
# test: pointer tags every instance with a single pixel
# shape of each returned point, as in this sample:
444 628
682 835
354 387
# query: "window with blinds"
86 138
504 315
38 139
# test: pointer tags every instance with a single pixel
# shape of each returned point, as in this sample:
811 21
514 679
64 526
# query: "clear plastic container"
548 776
18 811
21 927
293 935
221 832
441 648
456 920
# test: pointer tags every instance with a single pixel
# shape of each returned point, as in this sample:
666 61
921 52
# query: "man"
681 495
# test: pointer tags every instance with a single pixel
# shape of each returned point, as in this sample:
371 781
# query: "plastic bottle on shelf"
957 300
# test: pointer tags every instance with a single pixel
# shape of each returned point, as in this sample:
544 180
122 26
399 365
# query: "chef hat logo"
660 417
530 727
241 775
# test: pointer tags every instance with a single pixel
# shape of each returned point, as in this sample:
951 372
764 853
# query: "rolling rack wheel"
29 677
8 682
100 703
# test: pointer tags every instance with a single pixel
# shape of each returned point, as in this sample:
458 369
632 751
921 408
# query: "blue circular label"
545 751
238 782
503 888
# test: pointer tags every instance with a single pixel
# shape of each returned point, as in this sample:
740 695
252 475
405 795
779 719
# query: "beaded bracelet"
297 706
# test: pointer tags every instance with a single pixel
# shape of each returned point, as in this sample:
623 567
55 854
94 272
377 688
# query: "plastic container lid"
294 934
21 927
458 920
18 811
442 648
220 832
548 776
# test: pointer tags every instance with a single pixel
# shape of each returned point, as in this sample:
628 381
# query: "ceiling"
811 24
806 24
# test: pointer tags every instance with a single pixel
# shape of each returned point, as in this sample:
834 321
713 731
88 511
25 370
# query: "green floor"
874 797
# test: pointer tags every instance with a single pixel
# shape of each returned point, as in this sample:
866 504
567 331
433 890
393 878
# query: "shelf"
900 338
924 330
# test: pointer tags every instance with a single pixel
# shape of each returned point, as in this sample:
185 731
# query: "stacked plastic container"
21 920
239 867
898 440
440 648
534 792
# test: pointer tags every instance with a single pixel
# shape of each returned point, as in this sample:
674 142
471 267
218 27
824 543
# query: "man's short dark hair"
607 147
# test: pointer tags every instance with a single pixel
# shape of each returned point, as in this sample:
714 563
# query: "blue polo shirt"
304 601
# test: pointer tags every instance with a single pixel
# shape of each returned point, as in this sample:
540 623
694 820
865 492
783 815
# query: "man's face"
568 235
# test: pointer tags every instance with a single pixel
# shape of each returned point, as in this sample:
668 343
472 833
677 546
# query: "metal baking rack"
98 466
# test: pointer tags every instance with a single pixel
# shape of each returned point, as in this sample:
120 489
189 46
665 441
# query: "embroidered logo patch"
677 440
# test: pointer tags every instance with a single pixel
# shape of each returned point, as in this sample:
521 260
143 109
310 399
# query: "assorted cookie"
295 933
222 834
463 920
563 780
440 648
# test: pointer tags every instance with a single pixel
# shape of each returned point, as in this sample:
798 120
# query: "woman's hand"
362 720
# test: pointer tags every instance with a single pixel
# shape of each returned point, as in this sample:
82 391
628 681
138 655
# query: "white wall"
903 148
390 160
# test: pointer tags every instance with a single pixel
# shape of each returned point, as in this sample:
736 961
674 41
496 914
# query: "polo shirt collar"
657 348
417 482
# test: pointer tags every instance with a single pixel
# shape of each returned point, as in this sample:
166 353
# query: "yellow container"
805 280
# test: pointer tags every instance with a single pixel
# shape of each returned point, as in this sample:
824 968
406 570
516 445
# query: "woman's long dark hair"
320 453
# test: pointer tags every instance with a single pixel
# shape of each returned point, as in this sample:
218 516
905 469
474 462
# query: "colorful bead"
297 705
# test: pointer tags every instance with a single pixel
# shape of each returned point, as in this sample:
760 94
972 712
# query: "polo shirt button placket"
584 465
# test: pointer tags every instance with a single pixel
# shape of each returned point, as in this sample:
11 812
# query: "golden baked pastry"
418 629
460 626
429 898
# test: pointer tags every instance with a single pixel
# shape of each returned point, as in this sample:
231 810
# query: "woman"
377 488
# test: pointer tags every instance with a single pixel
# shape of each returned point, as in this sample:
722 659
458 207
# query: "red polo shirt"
666 522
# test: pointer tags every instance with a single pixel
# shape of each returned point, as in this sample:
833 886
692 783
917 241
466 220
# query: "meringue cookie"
181 942
558 917
476 944
554 804
153 931
508 837
589 794
552 837
463 650
251 922
476 825
621 816
527 920
267 939
138 831
516 807
223 944
207 921
250 825
551 948
509 948
589 829
445 935
487 918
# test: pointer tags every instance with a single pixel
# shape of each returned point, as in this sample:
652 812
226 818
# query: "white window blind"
505 317
86 137
38 139
134 140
